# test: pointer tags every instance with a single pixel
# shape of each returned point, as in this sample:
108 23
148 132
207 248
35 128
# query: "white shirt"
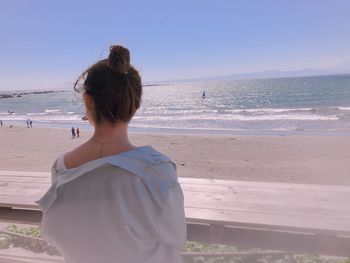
124 208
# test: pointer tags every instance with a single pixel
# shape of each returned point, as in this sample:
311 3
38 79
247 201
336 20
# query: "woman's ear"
89 108
89 104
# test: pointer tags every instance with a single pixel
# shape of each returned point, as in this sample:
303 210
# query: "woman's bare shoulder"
80 155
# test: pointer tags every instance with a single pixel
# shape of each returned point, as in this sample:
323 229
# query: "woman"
111 201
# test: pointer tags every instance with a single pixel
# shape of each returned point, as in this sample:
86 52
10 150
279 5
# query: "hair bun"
119 59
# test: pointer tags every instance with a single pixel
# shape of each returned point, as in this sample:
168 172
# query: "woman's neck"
112 133
107 140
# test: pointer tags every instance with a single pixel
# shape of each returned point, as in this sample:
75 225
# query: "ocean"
296 105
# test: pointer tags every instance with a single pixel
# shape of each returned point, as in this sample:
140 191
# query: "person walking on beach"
1 123
78 132
73 132
30 123
114 201
27 122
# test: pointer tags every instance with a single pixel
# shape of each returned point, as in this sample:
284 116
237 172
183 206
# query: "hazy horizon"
230 77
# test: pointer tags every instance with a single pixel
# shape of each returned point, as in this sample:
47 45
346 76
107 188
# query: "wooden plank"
234 216
266 205
314 223
21 189
25 173
20 216
248 188
274 221
18 203
21 198
14 179
271 191
252 184
27 190
211 182
224 202
12 256
319 203
266 239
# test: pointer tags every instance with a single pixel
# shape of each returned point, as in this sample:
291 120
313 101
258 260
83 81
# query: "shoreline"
290 159
85 126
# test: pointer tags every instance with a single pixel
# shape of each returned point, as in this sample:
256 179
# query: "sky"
47 44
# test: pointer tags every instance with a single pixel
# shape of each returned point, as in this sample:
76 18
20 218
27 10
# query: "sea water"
319 104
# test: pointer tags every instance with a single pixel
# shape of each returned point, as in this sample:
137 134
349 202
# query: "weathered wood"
23 179
269 239
256 220
25 174
334 192
262 185
269 204
20 216
17 203
295 217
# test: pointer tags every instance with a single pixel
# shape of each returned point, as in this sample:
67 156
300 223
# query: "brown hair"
114 85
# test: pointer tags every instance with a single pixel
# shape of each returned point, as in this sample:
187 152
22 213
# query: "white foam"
232 117
44 118
344 108
152 126
52 111
35 114
268 110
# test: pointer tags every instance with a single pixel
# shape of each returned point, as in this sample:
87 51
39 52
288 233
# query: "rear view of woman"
111 201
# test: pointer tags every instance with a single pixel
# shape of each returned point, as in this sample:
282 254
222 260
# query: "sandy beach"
297 159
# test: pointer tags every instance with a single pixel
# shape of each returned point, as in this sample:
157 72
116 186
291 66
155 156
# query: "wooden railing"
300 218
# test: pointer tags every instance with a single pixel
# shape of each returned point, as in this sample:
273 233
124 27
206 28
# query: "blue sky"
46 44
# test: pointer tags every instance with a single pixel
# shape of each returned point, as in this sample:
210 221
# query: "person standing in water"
111 201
